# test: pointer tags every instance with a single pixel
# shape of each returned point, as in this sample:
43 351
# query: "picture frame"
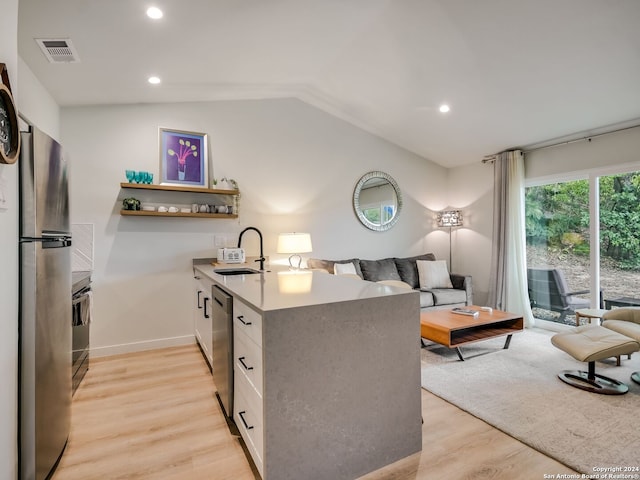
183 158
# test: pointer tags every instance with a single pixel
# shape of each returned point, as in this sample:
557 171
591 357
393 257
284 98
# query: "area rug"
518 391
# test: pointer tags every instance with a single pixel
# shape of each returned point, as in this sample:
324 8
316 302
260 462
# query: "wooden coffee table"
453 330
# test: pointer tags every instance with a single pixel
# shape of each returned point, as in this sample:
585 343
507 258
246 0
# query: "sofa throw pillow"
433 274
376 270
344 268
408 269
328 265
395 283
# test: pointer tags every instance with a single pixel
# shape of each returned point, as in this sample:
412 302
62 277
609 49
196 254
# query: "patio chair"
548 290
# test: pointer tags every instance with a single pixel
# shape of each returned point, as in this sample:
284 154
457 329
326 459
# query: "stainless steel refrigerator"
45 306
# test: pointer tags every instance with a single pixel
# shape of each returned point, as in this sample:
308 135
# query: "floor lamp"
450 218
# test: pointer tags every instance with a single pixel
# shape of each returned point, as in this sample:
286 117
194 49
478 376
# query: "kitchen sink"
236 271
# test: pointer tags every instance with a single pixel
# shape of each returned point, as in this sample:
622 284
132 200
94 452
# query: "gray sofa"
406 270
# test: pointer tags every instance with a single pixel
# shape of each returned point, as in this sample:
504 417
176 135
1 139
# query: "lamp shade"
294 243
450 218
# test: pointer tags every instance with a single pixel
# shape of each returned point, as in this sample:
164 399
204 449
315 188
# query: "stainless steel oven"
80 325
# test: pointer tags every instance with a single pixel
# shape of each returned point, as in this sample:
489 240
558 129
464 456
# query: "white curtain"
508 285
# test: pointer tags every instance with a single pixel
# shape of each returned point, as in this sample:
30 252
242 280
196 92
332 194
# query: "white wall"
611 150
37 106
9 262
296 167
471 191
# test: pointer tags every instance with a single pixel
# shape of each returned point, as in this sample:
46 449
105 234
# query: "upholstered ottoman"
588 344
627 322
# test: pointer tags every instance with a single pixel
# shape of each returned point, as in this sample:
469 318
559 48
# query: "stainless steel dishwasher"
222 316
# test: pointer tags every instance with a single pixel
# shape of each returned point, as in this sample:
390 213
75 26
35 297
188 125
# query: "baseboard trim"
107 351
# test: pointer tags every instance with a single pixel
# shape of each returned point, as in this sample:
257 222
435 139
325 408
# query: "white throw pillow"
395 283
433 274
344 268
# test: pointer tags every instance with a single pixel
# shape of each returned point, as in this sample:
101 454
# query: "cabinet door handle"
241 414
241 318
206 315
241 360
199 292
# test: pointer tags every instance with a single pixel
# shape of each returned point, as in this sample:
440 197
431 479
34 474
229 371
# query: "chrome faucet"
261 259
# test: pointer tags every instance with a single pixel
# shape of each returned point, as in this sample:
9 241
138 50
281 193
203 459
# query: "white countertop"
279 288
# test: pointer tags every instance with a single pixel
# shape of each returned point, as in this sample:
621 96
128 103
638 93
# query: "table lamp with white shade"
294 244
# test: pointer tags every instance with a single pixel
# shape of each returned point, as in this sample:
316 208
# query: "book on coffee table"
465 311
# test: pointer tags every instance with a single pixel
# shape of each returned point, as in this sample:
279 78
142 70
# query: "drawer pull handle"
241 414
241 360
199 292
206 315
241 318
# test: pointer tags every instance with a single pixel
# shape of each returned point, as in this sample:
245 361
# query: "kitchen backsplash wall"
82 247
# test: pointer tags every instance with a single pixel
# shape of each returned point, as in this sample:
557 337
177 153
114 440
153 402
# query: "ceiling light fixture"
444 108
154 80
154 12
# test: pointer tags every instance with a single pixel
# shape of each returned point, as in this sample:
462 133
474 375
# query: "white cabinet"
248 379
202 317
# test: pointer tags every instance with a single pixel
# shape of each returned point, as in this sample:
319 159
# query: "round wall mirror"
377 201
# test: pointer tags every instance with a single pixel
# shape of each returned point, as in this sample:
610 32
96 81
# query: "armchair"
627 322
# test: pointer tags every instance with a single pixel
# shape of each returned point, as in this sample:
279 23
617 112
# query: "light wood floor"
153 415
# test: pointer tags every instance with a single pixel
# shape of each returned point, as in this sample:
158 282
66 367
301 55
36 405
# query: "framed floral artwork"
183 158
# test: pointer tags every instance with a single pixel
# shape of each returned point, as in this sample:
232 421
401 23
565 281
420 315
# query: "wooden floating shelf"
177 188
143 213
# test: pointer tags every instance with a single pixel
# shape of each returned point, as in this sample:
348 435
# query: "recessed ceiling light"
154 12
154 80
444 108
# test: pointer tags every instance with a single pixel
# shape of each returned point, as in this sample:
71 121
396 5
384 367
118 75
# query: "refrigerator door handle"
59 243
49 242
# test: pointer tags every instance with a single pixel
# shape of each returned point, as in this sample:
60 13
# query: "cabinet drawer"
248 321
205 286
247 359
248 418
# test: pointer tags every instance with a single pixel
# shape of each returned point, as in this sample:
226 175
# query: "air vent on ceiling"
58 50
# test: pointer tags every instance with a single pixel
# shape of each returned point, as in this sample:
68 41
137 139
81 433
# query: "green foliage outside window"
557 216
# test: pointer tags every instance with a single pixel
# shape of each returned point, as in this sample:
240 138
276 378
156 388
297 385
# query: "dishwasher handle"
222 298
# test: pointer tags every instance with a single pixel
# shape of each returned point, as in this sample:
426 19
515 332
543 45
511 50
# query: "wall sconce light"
294 243
450 218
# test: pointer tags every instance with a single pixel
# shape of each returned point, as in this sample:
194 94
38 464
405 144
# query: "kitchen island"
327 372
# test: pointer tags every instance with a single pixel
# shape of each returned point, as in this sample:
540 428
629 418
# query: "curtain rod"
587 138
491 158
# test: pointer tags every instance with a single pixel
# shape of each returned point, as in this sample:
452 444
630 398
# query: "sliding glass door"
558 247
620 239
564 222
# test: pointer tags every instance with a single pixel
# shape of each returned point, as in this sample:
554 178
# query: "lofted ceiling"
515 72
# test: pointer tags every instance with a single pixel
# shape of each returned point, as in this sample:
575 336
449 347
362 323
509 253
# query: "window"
378 214
561 225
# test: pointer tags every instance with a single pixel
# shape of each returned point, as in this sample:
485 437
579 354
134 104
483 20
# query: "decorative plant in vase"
186 149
